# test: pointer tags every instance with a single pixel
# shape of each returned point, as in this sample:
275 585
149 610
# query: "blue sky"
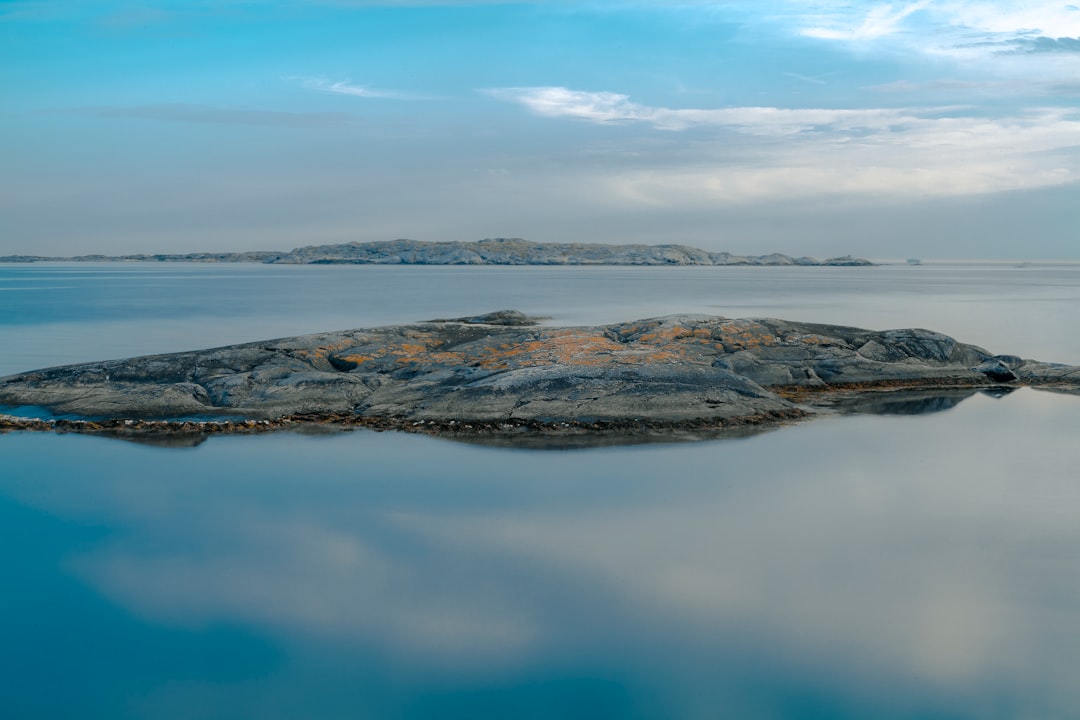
930 128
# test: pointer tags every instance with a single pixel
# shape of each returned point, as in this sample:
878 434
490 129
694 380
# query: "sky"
925 128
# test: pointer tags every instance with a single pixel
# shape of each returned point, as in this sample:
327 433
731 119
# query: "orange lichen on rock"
813 339
738 335
653 342
418 348
321 352
355 360
666 334
554 347
583 347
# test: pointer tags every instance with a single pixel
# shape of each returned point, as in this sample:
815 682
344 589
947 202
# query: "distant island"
496 251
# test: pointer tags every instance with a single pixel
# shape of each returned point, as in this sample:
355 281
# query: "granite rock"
506 367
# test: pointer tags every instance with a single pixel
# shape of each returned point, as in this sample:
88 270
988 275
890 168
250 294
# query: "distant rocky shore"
498 251
505 374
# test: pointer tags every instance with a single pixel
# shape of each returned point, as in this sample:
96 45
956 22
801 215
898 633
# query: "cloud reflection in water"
881 565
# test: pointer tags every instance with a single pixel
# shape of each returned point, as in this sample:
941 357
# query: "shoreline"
811 403
132 427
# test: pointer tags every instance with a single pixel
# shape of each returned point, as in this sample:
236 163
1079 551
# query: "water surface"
57 313
917 563
890 566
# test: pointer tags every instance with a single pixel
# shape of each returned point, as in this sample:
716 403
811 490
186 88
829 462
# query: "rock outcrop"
498 251
504 369
515 251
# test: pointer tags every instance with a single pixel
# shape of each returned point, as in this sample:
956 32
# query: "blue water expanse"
885 566
65 313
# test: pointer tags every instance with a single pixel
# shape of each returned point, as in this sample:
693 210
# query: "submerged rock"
504 369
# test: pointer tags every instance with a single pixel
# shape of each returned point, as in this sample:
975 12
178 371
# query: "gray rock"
499 317
503 367
997 370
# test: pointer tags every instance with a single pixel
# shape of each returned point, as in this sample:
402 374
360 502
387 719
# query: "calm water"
887 566
53 314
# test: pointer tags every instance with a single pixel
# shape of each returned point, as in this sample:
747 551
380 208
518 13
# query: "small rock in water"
996 369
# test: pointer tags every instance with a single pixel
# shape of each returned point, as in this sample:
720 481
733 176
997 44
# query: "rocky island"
497 251
505 373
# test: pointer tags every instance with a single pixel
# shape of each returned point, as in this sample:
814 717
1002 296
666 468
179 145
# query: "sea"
920 562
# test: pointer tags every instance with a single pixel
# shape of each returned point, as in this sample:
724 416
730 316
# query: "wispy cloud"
919 158
610 107
908 86
806 78
348 87
878 21
943 27
1044 44
1035 17
206 114
817 152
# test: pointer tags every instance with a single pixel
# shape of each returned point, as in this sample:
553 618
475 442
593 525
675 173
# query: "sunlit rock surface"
505 367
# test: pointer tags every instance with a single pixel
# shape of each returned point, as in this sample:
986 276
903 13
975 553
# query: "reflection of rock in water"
584 440
998 392
162 440
904 402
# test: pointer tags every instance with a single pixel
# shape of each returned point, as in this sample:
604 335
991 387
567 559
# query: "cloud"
921 158
1017 88
1049 45
378 594
785 153
879 21
206 114
963 28
907 86
1071 89
1038 17
806 78
611 108
558 562
346 87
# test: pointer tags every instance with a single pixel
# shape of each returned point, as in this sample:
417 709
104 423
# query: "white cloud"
819 152
879 21
1045 17
952 86
369 602
930 157
609 107
961 28
347 87
564 102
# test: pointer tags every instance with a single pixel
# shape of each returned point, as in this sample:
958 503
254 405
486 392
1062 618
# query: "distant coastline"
497 251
